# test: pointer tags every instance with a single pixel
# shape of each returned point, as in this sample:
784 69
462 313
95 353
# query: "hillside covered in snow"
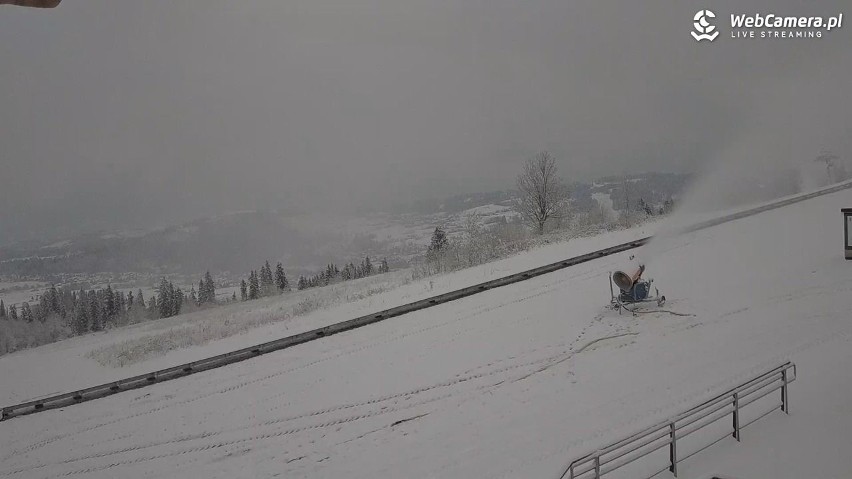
512 382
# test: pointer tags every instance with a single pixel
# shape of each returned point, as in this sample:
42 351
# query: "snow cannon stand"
632 290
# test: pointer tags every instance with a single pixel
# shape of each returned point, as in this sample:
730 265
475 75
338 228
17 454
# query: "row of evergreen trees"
63 312
267 282
82 310
333 274
96 309
264 283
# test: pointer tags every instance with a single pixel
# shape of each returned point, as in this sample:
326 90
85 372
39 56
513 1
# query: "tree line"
65 312
265 282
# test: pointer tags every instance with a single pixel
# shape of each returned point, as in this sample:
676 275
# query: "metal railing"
667 433
87 394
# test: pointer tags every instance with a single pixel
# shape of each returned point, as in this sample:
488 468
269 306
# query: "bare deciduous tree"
543 193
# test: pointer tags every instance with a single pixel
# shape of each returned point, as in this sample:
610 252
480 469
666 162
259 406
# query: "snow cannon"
632 289
626 280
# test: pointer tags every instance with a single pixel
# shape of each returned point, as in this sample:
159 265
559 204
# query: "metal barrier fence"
667 433
82 395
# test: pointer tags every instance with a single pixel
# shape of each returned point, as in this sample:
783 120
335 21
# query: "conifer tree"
266 279
254 286
140 299
13 312
209 288
439 240
26 313
280 278
243 290
153 308
177 299
95 311
119 304
2 310
52 302
109 304
164 298
81 315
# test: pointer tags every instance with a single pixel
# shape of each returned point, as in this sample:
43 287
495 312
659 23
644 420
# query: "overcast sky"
134 113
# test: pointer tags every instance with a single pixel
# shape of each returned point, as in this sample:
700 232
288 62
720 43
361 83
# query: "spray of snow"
772 156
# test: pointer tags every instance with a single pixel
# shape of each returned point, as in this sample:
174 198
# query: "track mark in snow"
397 423
549 361
552 287
649 417
595 341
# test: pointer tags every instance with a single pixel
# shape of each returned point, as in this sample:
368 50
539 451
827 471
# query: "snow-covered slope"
513 382
68 365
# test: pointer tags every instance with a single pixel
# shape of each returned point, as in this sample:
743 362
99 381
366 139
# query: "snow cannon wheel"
661 301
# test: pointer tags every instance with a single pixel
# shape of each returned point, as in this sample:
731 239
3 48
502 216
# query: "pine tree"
81 315
13 312
383 268
266 279
303 283
234 297
280 277
26 313
109 304
140 299
153 308
66 303
254 286
243 290
2 310
129 300
201 288
209 288
119 304
439 241
192 296
95 311
53 299
164 298
40 313
368 267
177 299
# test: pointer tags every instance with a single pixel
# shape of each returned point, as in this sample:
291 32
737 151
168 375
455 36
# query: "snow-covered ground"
89 360
513 382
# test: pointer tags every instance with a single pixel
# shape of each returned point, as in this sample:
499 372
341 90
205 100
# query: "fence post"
597 467
785 406
673 448
736 417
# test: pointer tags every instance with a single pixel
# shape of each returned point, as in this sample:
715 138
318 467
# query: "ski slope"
71 364
513 382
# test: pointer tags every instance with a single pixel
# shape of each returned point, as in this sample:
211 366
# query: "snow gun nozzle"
626 280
